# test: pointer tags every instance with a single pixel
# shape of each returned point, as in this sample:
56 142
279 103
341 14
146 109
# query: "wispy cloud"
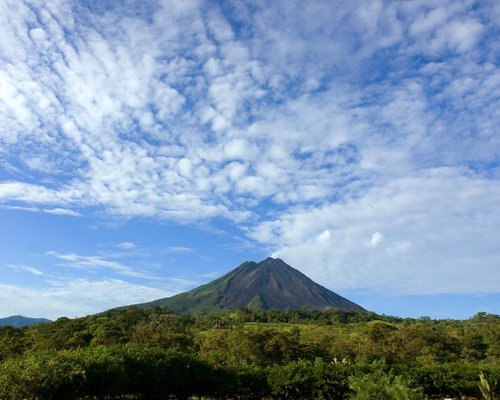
25 268
53 211
126 245
62 211
20 208
89 262
178 249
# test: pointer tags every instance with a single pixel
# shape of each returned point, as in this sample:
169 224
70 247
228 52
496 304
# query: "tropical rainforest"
137 353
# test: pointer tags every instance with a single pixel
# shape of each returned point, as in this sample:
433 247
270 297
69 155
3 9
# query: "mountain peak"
272 261
271 283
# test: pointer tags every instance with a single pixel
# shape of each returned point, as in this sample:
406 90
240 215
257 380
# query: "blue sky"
147 147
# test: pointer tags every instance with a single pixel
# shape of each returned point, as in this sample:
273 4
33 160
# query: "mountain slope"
266 285
19 321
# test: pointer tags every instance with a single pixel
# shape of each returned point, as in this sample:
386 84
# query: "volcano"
269 284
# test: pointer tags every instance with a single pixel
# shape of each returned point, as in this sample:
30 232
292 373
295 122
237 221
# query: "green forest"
136 353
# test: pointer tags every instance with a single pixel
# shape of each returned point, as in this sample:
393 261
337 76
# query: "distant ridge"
269 284
18 321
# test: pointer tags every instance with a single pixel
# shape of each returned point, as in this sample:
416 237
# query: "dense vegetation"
304 354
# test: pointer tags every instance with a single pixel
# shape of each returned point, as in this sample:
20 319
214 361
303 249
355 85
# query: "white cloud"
439 237
182 112
428 22
29 193
240 149
90 262
114 108
459 36
376 239
62 211
20 208
126 245
178 249
25 268
75 298
324 237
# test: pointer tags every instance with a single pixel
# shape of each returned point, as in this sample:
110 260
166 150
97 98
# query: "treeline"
155 354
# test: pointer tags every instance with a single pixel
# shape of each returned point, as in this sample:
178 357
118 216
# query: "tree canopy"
157 354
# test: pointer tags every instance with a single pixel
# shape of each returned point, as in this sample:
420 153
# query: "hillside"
19 321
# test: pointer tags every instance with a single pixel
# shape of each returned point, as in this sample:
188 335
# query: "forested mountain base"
303 354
